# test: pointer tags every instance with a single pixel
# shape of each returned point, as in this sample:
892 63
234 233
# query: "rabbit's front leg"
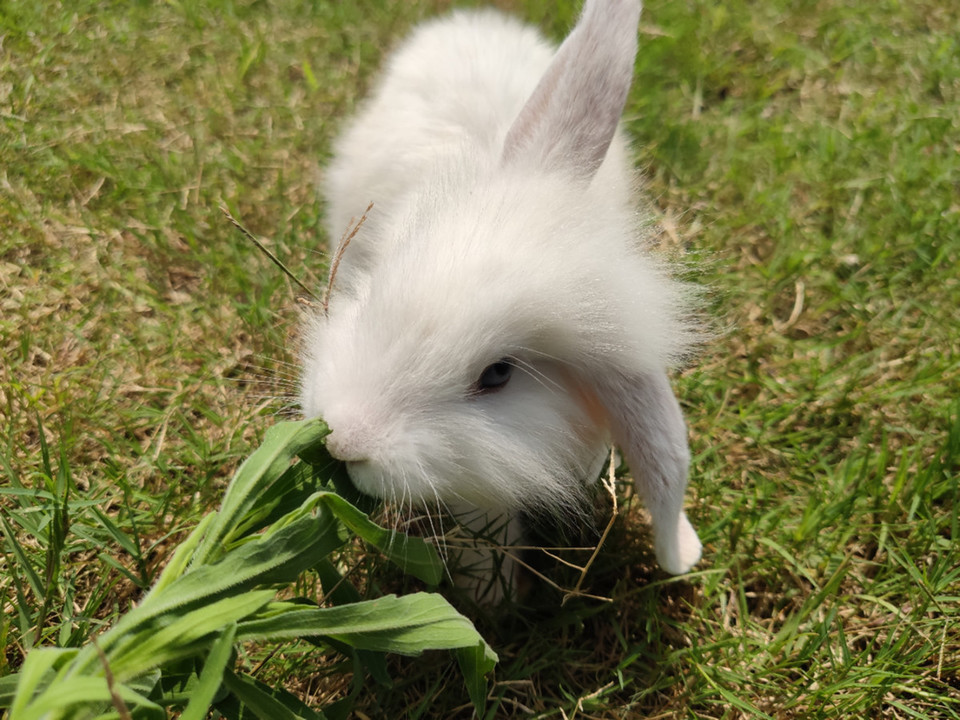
483 559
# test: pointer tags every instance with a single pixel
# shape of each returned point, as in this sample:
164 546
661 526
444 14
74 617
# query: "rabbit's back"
458 82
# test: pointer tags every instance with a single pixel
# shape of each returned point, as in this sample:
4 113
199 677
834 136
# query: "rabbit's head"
462 368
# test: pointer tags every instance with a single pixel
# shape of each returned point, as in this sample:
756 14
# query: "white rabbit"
498 318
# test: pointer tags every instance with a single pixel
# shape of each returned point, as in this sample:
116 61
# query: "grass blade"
36 584
119 537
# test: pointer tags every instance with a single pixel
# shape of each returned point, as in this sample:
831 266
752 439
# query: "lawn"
804 158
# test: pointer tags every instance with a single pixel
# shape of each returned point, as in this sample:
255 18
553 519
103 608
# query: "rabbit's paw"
678 547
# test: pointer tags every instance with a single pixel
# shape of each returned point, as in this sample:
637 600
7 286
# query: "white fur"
504 225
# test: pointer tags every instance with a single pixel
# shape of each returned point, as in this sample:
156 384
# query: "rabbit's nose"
346 446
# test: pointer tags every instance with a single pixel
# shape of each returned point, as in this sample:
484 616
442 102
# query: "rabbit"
498 318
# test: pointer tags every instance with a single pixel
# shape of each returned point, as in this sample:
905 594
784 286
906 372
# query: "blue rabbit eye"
495 376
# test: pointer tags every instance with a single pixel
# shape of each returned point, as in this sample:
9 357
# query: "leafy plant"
176 648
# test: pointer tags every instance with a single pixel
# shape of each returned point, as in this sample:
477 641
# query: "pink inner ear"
570 119
588 401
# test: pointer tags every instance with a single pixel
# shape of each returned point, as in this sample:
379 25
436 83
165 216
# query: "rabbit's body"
441 113
497 317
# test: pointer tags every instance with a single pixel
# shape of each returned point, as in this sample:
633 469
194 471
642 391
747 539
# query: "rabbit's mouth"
366 479
371 479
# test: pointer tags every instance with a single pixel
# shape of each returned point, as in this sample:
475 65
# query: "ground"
804 160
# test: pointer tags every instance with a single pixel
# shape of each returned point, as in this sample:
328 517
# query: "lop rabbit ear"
569 121
647 424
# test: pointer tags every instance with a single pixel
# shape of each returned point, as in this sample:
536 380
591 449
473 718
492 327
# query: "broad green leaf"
334 472
407 625
413 555
8 689
275 558
257 700
37 666
336 588
475 662
340 591
278 557
282 442
217 590
211 677
148 683
56 700
155 645
284 495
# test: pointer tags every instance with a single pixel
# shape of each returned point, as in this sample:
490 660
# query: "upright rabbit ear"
648 425
571 117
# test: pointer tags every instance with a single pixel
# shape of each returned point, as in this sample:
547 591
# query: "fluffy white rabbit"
498 318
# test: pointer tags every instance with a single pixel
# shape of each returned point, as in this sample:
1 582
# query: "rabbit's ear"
647 424
569 121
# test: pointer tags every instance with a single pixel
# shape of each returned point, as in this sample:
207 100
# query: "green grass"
806 159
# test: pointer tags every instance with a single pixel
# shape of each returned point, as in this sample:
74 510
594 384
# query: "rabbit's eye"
495 376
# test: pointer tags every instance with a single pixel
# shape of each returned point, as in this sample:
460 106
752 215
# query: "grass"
806 158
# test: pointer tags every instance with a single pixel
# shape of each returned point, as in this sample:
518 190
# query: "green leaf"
155 645
55 701
475 662
336 588
211 677
282 443
283 496
180 559
148 683
209 597
119 537
264 702
335 473
8 689
340 591
37 666
407 625
413 555
277 557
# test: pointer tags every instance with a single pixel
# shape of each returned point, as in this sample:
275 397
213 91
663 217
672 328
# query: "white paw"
678 547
